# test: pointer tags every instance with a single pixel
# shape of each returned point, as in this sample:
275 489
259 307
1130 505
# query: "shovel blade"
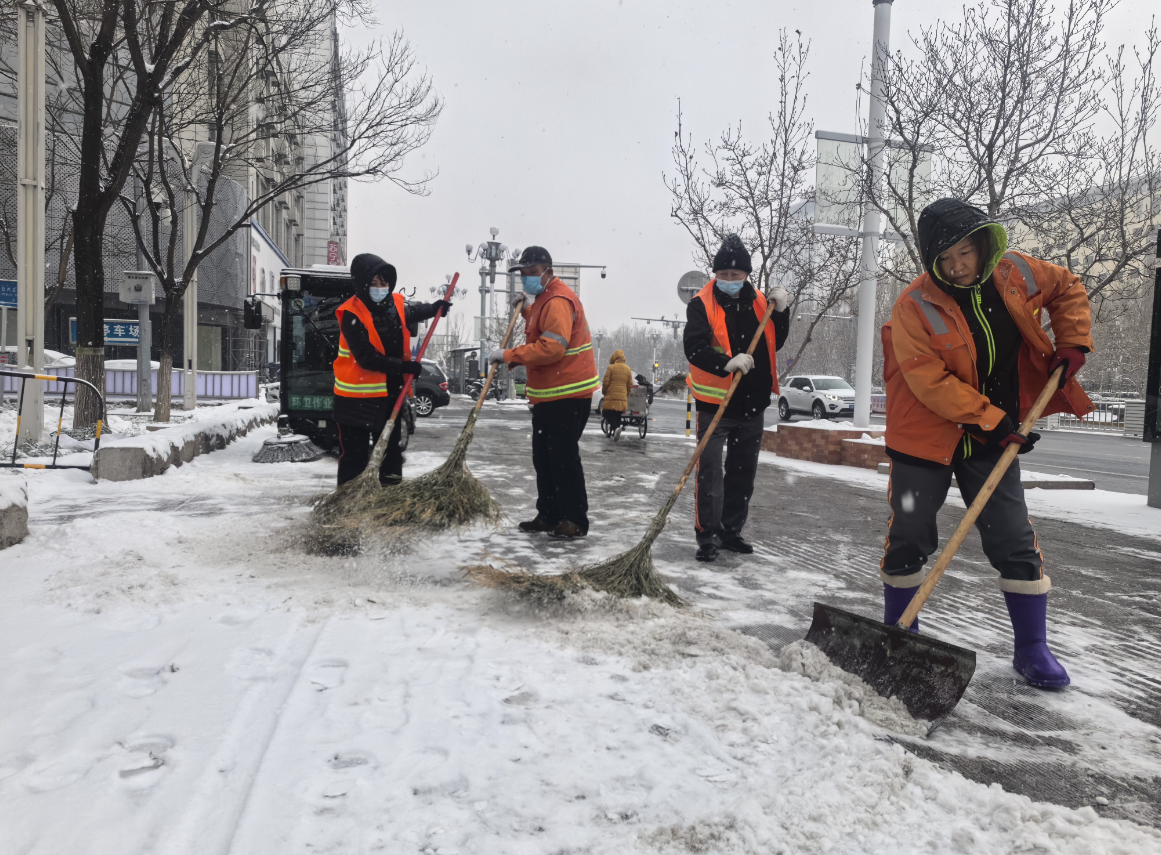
927 675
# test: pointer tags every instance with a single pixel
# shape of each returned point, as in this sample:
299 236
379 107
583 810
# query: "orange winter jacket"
929 356
558 355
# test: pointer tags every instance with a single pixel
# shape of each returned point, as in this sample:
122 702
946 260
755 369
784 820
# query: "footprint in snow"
143 761
139 680
252 663
523 699
352 760
327 674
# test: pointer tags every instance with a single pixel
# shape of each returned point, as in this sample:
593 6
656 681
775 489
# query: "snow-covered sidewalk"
1124 512
177 678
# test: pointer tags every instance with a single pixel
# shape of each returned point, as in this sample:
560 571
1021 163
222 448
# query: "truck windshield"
310 382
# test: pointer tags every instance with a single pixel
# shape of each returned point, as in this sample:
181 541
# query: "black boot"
734 543
707 552
536 525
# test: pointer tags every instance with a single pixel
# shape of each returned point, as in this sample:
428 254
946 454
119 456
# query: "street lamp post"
491 251
598 337
30 215
865 346
189 228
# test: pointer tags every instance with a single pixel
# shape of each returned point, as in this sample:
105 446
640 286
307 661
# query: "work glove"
780 297
1072 358
742 362
518 300
1005 432
412 368
444 306
496 355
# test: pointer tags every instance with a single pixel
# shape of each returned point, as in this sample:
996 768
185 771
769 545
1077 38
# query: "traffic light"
656 365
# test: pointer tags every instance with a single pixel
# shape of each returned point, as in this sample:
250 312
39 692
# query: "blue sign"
8 293
116 332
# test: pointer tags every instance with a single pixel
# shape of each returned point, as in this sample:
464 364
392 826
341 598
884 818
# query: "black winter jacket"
373 412
753 393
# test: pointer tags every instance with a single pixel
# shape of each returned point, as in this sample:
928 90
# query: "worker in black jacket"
374 357
721 321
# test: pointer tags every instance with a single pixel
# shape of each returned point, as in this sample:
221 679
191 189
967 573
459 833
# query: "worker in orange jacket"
965 355
562 377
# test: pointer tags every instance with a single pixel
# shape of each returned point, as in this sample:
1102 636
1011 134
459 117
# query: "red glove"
1072 358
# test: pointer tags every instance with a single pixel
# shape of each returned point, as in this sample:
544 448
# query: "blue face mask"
731 288
531 285
379 294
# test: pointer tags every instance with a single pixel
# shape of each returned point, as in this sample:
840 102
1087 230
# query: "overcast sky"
559 117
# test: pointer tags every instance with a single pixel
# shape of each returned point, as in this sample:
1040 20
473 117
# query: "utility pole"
30 216
865 347
189 230
655 336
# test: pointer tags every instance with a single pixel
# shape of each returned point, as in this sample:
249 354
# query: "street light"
491 251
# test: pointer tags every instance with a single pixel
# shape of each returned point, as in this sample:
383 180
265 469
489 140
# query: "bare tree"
124 56
750 188
1020 109
283 109
761 192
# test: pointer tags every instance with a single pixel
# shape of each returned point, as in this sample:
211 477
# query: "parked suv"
430 389
820 396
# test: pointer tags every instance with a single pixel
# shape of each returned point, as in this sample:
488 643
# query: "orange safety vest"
709 388
352 380
575 375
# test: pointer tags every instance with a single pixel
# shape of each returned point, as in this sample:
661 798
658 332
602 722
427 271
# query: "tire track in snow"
221 796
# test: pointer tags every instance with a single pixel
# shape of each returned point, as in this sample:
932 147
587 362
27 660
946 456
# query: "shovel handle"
496 365
977 507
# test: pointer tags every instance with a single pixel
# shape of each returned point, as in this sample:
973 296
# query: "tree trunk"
88 264
90 366
161 413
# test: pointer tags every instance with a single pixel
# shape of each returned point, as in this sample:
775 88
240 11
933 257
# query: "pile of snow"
13 490
822 424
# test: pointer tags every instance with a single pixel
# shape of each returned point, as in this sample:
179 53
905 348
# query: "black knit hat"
732 256
532 255
365 266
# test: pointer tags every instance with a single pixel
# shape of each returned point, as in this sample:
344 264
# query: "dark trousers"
613 417
355 444
916 494
722 499
560 479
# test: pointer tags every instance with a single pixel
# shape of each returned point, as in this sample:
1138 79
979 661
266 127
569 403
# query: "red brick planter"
808 441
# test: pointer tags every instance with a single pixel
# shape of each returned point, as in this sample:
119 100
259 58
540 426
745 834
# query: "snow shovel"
928 675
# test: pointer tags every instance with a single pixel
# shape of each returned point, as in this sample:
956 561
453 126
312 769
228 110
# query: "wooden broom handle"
977 507
689 467
496 365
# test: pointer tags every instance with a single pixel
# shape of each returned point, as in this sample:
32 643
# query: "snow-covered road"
178 678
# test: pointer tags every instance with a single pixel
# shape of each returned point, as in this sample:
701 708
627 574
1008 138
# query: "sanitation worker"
965 356
721 320
562 377
374 356
615 387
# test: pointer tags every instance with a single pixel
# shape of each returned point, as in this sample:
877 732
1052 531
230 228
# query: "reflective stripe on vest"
707 387
351 379
1026 271
575 374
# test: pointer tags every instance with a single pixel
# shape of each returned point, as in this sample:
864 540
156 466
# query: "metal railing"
62 382
1107 417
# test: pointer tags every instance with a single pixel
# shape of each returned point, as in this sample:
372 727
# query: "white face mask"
379 294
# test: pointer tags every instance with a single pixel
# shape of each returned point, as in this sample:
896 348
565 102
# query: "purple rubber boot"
895 602
1033 660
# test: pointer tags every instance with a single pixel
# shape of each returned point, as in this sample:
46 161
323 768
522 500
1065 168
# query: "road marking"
1096 471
